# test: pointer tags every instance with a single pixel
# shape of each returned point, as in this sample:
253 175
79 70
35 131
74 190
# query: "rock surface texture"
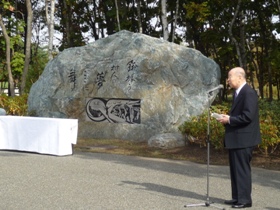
127 86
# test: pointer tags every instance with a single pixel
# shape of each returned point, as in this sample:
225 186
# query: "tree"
117 14
27 44
164 20
71 18
139 16
239 45
230 32
49 5
8 50
175 20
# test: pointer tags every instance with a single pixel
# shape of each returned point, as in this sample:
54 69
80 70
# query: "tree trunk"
50 23
8 58
92 21
117 14
175 20
28 44
139 16
231 34
270 88
164 20
242 45
278 87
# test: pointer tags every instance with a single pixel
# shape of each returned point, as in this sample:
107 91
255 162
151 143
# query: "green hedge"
14 105
196 128
270 126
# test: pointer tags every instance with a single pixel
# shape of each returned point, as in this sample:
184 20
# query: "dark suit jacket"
244 128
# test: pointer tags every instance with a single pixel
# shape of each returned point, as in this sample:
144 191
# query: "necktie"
235 95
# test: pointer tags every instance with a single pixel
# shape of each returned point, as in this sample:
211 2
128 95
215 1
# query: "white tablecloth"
53 136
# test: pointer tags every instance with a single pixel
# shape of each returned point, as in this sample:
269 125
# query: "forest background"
233 33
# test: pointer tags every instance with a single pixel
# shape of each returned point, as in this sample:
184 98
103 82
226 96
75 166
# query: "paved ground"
103 181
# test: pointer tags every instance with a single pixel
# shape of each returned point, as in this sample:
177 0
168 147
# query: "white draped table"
53 136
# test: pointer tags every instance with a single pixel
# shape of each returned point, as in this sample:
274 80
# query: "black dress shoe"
241 205
230 202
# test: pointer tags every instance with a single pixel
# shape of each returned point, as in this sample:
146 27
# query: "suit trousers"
240 174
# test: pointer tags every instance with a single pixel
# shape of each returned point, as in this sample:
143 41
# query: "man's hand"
224 119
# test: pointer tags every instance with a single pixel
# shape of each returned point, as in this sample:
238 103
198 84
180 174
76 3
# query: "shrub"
14 105
196 127
269 123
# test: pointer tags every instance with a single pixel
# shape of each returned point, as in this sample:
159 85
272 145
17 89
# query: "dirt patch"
198 154
194 152
220 157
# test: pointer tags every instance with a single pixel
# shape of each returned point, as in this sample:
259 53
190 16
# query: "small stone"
2 112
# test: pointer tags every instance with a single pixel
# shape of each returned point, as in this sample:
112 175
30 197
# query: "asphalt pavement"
97 181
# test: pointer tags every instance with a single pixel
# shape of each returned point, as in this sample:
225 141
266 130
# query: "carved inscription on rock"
114 110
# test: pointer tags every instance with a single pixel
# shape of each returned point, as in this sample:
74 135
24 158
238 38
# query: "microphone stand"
207 202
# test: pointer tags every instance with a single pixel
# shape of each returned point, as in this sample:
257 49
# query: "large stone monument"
126 86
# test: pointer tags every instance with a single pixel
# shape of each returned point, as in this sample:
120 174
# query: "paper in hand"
216 115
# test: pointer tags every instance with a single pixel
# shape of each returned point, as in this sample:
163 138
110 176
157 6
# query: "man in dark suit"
242 134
